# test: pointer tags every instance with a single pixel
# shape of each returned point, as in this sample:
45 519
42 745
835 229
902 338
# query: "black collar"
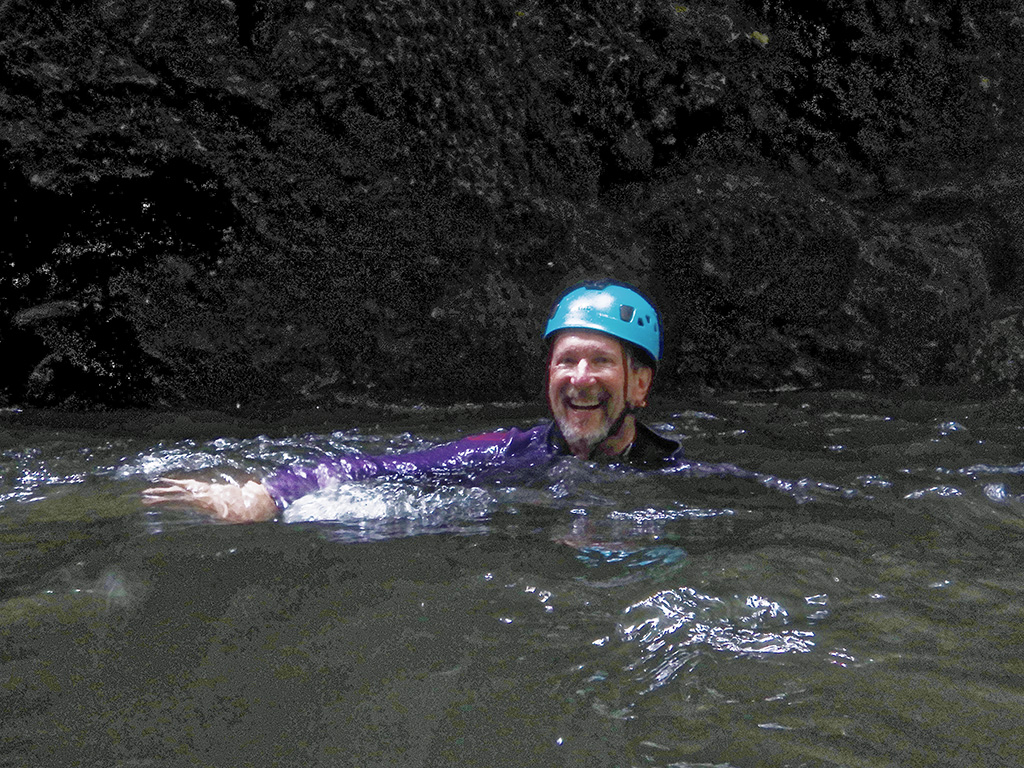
648 450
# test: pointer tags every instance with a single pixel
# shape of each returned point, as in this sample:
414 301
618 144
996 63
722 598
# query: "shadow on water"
850 596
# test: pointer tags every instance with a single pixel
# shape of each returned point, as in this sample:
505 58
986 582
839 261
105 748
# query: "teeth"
591 401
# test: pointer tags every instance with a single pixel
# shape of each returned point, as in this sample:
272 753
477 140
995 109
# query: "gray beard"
591 440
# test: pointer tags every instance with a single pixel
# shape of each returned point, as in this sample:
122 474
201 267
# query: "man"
604 346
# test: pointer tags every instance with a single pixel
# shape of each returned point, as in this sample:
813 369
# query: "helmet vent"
626 313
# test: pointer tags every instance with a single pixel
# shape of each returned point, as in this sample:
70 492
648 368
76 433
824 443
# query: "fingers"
188 484
165 496
174 492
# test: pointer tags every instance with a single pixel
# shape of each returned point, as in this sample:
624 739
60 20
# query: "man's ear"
640 386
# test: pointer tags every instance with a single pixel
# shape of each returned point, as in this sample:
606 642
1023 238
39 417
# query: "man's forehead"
582 339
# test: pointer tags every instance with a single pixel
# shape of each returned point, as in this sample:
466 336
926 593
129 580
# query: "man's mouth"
584 405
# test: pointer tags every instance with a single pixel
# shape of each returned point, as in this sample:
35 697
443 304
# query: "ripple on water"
674 627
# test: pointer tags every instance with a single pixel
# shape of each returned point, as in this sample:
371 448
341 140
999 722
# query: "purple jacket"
511 449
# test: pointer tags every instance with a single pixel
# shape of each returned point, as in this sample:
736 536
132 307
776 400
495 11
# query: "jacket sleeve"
291 483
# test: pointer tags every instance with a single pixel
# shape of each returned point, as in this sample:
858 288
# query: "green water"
858 603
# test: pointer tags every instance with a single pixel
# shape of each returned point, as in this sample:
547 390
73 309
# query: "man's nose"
582 374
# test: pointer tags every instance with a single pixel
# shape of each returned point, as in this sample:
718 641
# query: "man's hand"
249 503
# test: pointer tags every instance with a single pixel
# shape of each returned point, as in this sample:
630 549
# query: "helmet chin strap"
627 409
616 426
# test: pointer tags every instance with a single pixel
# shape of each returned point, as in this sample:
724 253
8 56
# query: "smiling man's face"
590 385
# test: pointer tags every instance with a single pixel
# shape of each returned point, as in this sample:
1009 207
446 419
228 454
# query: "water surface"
855 602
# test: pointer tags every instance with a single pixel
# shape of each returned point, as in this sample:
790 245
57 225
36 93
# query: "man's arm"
249 503
450 459
259 501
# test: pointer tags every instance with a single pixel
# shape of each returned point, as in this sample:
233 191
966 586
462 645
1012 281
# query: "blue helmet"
611 308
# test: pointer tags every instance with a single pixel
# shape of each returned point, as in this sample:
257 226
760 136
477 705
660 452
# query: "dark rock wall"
207 202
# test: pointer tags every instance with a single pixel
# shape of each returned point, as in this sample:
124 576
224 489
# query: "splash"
384 509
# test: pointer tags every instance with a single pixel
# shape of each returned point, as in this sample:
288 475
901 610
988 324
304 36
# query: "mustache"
572 393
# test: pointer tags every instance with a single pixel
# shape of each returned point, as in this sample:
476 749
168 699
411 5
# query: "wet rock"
258 200
918 307
752 268
51 310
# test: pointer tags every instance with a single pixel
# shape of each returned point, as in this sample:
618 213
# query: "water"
859 601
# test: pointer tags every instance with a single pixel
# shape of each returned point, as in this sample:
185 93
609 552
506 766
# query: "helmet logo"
588 302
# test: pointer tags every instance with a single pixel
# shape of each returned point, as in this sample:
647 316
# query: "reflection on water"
834 580
672 625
